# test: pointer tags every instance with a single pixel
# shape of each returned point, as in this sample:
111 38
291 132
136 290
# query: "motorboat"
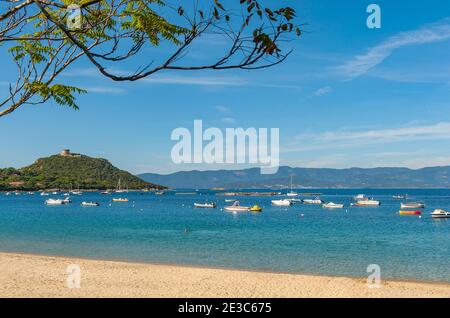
205 205
67 200
105 192
367 202
54 202
312 201
399 197
412 205
256 208
410 212
236 207
440 214
230 200
296 200
89 204
120 200
77 192
43 193
332 205
282 202
360 197
160 193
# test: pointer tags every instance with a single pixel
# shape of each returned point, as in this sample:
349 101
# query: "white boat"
43 193
367 202
77 192
236 207
119 187
412 205
7 193
332 205
120 200
440 214
313 201
292 193
399 197
360 197
89 204
282 202
205 205
230 200
54 202
66 194
296 200
105 192
67 200
54 192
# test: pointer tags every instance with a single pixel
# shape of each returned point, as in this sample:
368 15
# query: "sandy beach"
44 276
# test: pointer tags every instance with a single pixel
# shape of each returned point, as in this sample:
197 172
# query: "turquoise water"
299 239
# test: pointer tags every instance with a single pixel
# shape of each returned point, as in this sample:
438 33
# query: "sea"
306 239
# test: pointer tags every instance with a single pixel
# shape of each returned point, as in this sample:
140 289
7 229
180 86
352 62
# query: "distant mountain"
70 170
433 177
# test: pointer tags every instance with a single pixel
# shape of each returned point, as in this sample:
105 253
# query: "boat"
312 201
402 212
230 200
236 207
66 194
105 192
399 197
332 205
7 193
440 214
119 188
367 202
55 192
360 197
30 193
160 193
67 200
120 200
292 193
412 205
205 205
43 193
77 192
256 208
296 200
282 202
89 204
54 202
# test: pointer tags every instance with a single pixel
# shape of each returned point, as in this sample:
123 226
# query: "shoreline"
30 275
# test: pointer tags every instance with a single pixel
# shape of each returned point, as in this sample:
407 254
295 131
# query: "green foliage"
82 172
61 94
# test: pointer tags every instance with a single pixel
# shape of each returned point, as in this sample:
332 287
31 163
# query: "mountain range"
432 177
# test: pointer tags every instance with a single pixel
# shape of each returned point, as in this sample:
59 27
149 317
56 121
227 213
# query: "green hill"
65 172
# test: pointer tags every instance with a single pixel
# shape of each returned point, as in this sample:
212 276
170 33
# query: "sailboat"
292 193
119 187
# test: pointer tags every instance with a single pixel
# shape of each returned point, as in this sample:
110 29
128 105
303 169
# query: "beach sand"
43 276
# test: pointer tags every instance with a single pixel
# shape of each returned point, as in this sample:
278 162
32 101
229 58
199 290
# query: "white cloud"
222 109
323 91
360 64
106 90
348 139
228 120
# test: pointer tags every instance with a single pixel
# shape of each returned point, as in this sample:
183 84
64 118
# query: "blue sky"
348 96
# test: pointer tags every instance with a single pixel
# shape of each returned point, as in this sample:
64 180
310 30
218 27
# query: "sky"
348 96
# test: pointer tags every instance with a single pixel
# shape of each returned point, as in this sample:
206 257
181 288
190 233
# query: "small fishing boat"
399 197
89 204
160 193
440 214
282 202
77 192
105 192
230 200
410 212
256 208
412 205
367 202
54 202
312 201
360 197
66 194
236 207
205 205
120 200
67 200
296 200
332 205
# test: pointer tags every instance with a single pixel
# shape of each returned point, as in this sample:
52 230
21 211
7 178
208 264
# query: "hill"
65 172
433 177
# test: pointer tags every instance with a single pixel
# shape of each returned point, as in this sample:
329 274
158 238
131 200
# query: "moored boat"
440 214
90 204
54 202
332 205
256 208
399 197
410 212
205 205
282 202
312 201
367 202
236 207
120 200
412 205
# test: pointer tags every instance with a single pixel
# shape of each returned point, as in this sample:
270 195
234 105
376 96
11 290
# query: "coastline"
27 275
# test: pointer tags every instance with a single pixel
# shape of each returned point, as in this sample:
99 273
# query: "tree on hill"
45 37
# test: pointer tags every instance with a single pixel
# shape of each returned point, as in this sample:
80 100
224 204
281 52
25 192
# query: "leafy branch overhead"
45 37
